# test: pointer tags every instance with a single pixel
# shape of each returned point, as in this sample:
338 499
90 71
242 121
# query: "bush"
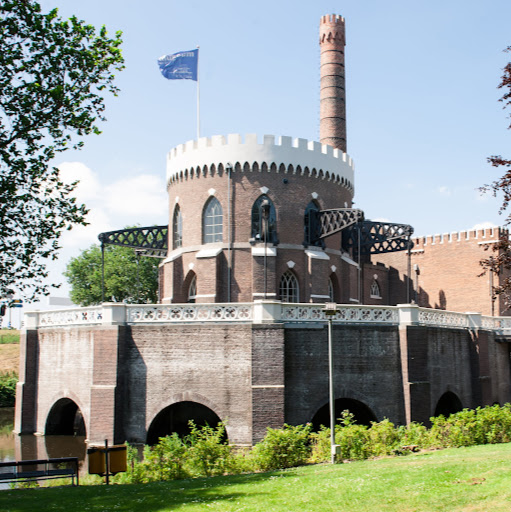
283 448
491 424
167 459
8 381
382 438
352 438
320 445
205 453
208 454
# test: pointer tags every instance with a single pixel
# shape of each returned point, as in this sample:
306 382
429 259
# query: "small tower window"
288 289
311 226
375 290
177 228
331 293
192 290
212 222
264 229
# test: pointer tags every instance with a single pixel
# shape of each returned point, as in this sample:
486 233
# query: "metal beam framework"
150 241
330 222
378 237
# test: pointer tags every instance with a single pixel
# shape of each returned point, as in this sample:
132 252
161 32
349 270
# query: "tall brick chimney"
332 40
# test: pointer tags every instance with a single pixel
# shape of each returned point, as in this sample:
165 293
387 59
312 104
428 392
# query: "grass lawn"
463 479
9 336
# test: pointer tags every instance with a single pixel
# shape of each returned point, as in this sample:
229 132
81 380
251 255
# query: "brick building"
261 234
445 272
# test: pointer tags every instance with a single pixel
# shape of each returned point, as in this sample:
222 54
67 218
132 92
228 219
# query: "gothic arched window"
288 289
264 229
375 290
331 293
177 228
212 221
192 289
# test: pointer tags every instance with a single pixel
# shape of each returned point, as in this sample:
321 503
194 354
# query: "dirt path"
9 358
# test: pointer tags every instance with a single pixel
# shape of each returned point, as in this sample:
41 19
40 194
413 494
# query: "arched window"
311 226
331 293
192 290
212 221
375 290
288 289
177 228
261 225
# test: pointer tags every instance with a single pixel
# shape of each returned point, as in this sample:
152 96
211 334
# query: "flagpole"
198 98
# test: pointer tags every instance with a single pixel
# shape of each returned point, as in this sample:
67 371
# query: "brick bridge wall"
251 375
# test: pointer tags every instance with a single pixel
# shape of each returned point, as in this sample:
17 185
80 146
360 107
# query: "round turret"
238 219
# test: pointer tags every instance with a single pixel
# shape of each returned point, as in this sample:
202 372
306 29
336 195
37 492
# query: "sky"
421 87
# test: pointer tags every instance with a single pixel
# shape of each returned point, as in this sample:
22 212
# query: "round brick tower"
237 221
240 221
332 41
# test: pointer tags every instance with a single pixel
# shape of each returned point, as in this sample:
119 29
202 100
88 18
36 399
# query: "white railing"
344 314
77 316
499 324
263 312
238 312
441 318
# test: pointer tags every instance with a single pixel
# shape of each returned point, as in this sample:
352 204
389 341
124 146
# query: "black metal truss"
330 222
377 237
149 241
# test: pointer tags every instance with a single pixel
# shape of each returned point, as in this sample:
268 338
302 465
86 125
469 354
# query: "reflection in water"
27 447
6 435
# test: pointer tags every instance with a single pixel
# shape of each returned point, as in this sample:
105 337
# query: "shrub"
8 381
320 445
382 438
208 454
283 448
136 471
491 424
352 438
166 460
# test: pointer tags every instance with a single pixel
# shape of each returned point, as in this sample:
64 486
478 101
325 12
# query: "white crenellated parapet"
328 163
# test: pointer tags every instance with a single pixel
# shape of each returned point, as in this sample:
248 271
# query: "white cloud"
483 225
88 187
82 237
144 196
138 200
444 191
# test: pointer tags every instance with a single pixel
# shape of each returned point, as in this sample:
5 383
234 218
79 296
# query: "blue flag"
180 66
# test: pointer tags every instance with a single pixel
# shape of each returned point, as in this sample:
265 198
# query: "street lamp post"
330 311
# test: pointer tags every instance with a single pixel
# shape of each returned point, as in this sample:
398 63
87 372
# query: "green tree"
500 262
54 75
128 277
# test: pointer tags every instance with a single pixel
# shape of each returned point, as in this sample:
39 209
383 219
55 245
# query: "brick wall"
290 194
366 366
210 365
449 272
251 376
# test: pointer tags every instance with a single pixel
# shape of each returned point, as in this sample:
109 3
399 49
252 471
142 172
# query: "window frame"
212 220
177 228
289 287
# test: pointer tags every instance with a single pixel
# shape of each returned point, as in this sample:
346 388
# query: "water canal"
29 447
